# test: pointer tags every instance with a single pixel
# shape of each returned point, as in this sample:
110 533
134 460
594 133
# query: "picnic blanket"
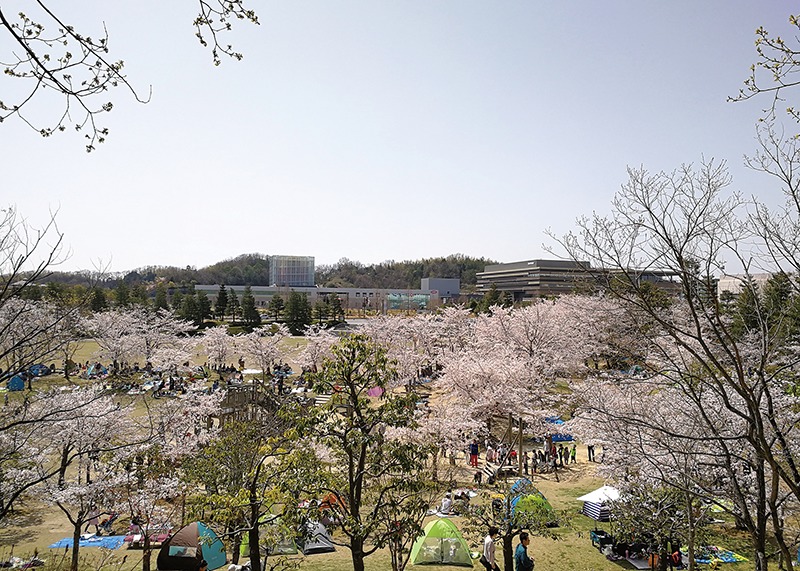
711 552
106 541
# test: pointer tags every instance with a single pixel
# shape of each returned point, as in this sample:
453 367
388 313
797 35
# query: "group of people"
454 503
522 561
554 456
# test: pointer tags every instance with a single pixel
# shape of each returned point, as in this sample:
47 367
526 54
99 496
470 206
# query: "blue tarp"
107 541
558 437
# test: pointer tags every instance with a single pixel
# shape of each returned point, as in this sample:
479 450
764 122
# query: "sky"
383 130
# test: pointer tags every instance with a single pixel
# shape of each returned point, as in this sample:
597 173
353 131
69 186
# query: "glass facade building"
291 271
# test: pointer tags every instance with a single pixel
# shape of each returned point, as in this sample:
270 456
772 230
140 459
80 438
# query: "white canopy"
601 495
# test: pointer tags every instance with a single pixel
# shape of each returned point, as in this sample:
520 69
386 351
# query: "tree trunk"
357 553
76 538
147 550
692 532
508 551
253 534
236 539
435 465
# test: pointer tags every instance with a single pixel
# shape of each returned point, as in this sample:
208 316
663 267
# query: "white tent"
595 504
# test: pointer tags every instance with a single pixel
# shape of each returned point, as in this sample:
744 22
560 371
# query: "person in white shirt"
447 504
487 559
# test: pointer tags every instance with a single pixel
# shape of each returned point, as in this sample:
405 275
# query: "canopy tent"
441 544
595 504
317 541
184 550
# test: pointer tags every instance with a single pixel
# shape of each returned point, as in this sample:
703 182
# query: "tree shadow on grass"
19 527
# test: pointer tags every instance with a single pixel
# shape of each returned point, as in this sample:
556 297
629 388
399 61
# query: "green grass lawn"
573 551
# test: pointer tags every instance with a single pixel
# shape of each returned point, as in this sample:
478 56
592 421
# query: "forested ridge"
253 269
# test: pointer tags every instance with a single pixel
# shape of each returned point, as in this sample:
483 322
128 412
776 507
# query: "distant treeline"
253 269
348 273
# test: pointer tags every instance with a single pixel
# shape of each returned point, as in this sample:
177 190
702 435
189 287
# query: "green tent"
275 533
441 544
535 503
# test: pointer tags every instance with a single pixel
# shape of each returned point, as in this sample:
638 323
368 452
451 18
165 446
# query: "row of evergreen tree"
294 310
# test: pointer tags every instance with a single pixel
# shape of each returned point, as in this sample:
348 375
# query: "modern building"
532 279
381 300
445 288
734 283
291 271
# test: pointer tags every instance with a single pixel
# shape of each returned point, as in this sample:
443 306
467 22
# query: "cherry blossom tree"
261 346
218 345
51 57
116 334
319 342
736 384
39 438
514 357
31 331
159 330
68 449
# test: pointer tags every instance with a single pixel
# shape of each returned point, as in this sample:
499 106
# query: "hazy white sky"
379 130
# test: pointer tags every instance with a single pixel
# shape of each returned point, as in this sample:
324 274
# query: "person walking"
522 561
487 558
473 453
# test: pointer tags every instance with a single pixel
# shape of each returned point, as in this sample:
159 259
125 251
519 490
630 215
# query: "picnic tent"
39 370
317 541
441 544
280 538
595 504
16 383
533 502
521 486
184 550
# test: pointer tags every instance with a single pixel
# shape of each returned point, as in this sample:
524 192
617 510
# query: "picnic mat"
106 541
711 552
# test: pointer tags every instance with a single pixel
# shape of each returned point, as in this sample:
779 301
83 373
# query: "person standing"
523 562
473 453
590 452
573 454
487 558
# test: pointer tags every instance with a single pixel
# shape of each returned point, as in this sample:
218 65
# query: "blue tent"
16 383
39 370
521 486
191 544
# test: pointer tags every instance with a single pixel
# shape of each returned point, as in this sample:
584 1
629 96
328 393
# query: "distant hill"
407 274
253 269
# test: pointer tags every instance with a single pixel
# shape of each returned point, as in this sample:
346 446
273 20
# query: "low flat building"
532 279
383 300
